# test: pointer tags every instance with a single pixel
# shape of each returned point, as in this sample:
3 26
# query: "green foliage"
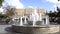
58 9
52 15
58 14
10 10
1 2
55 14
3 16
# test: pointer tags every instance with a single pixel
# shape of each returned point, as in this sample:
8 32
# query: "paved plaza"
6 29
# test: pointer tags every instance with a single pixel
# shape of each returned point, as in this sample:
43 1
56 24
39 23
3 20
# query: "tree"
10 10
50 14
53 14
58 9
58 14
1 2
2 16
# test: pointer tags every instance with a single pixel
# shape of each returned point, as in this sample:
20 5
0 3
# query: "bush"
2 16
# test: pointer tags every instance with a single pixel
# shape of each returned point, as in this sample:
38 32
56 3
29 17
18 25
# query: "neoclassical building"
27 11
33 13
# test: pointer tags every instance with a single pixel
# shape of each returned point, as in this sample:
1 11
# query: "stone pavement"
6 29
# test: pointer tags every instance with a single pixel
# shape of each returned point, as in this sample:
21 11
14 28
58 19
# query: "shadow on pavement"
9 29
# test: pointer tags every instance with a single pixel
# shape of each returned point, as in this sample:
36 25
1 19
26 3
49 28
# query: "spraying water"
21 22
35 17
47 20
25 21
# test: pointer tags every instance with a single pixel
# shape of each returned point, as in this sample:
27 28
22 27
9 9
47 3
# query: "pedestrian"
7 20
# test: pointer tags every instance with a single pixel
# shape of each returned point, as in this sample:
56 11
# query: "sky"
15 3
46 4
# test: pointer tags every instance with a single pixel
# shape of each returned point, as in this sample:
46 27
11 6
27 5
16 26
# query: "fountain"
25 20
34 21
47 20
21 22
35 18
40 17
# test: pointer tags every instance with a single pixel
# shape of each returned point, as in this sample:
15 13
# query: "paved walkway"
6 29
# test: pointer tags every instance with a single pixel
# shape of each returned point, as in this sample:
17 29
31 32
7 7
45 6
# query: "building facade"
28 11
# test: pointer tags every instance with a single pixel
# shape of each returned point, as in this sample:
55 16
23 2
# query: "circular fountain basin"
37 22
43 29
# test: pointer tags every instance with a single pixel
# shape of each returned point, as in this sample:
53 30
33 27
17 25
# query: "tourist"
7 20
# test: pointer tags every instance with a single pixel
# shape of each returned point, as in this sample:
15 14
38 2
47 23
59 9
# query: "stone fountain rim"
37 26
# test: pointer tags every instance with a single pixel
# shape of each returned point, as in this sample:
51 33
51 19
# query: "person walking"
7 20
